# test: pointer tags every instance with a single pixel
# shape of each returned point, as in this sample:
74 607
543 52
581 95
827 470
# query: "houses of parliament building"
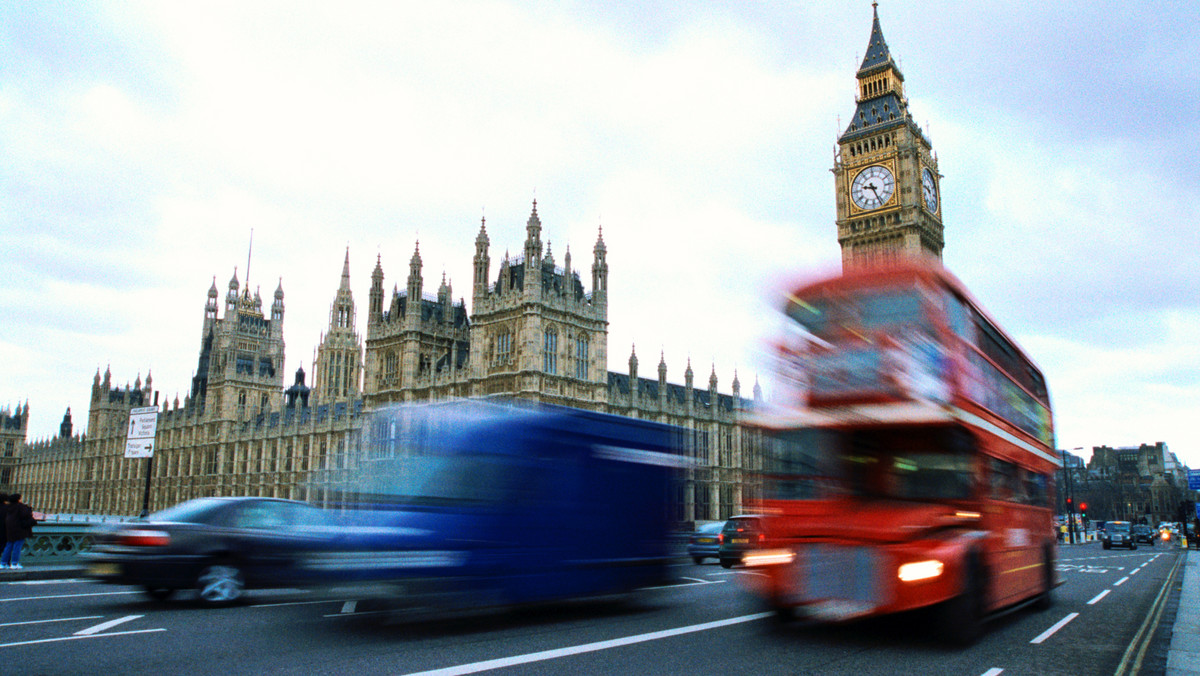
533 331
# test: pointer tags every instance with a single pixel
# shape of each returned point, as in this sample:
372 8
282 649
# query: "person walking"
18 522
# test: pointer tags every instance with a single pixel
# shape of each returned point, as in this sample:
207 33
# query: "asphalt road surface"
1112 614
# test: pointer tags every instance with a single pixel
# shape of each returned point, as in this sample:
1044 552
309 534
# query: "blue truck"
473 503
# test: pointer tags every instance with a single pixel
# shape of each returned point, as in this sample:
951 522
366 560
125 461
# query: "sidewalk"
42 571
1183 657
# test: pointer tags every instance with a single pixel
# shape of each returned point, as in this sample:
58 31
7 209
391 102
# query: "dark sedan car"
1144 534
739 535
1118 534
703 543
217 546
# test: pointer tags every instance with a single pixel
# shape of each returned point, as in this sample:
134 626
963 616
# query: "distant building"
1145 482
534 332
14 425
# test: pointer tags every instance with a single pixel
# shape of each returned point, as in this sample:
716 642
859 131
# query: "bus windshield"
866 310
897 464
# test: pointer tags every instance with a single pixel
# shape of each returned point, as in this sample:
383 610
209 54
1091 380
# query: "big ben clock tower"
888 186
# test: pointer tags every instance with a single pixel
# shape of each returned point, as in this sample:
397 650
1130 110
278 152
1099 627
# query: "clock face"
873 187
929 190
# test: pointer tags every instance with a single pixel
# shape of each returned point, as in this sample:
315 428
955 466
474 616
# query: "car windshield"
192 511
709 528
1118 528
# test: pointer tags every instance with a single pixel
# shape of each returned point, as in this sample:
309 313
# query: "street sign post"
143 423
139 442
1194 479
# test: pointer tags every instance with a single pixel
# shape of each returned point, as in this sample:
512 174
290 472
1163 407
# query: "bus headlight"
920 570
768 557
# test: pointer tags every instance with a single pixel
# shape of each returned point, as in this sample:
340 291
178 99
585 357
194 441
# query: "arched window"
504 347
581 357
550 352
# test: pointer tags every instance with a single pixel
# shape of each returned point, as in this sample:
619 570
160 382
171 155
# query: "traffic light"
1068 504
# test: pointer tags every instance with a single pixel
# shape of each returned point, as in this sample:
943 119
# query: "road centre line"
544 655
1134 572
60 619
1120 582
292 603
686 584
1057 625
107 625
1098 597
74 637
994 671
67 596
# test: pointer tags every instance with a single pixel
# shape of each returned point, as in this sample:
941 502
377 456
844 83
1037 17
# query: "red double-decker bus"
910 462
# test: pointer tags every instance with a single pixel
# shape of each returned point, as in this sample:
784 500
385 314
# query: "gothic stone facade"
534 332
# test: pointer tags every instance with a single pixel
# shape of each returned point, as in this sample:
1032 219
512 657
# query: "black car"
217 546
739 535
1118 534
1144 534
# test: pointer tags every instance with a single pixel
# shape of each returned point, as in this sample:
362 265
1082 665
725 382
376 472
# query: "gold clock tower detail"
888 187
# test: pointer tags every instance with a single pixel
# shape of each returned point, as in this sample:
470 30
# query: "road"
1104 614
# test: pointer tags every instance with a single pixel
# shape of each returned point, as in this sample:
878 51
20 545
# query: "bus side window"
956 316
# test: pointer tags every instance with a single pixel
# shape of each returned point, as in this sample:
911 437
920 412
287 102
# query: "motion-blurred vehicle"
702 544
739 535
1144 534
1118 534
216 546
470 504
908 456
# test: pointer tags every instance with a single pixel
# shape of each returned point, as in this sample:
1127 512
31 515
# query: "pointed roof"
877 56
345 272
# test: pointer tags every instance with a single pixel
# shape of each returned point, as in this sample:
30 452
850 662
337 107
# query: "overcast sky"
140 143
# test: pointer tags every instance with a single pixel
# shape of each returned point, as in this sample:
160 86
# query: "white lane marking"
1098 597
994 671
348 606
66 596
75 638
362 614
106 625
1134 571
1057 625
291 603
61 619
683 585
488 665
1122 581
65 580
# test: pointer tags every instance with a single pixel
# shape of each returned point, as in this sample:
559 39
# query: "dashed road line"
1098 597
1120 582
1057 625
59 619
544 655
107 625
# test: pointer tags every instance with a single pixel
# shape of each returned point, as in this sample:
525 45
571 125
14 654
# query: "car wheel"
159 593
1133 547
220 583
1107 546
726 563
698 559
